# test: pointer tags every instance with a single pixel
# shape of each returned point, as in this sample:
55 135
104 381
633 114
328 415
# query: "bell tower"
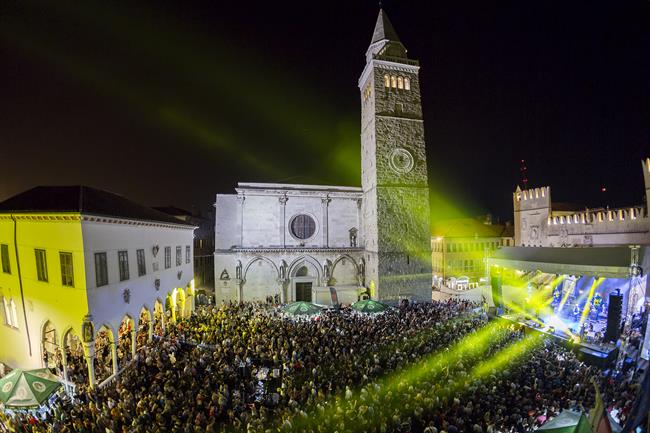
394 170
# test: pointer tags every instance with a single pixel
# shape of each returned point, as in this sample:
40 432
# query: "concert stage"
600 355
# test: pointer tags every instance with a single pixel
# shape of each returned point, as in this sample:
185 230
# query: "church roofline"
295 187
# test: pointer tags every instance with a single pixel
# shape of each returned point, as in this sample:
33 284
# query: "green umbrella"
24 389
301 307
370 306
567 422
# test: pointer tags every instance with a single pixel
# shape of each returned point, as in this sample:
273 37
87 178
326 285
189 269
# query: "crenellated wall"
538 224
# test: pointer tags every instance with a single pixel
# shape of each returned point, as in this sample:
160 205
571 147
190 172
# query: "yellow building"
87 274
460 247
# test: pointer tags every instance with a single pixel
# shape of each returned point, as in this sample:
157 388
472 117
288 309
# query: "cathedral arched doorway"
144 328
104 354
158 317
304 279
75 362
125 341
49 346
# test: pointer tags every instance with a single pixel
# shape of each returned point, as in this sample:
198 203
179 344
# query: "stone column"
360 226
64 365
89 356
241 199
325 201
240 288
134 341
162 318
114 355
283 218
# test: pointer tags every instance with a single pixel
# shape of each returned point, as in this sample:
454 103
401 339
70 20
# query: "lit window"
67 270
14 314
393 81
11 315
407 83
7 311
386 81
400 82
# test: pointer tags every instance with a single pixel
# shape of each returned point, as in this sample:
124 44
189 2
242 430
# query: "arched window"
302 272
302 226
7 310
393 81
14 314
386 80
400 82
407 83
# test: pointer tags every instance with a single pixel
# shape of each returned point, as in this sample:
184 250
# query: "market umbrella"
301 307
567 422
24 389
369 306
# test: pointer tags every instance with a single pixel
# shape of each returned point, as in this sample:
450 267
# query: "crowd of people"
248 367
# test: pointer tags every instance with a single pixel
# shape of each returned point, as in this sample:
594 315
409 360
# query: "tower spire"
384 29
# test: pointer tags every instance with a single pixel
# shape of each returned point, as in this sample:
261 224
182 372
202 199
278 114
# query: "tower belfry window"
400 82
386 80
393 81
407 83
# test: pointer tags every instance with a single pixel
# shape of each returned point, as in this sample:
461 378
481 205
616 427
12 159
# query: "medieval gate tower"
394 171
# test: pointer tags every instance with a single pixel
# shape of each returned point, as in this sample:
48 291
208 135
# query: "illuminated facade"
81 263
460 248
295 242
538 222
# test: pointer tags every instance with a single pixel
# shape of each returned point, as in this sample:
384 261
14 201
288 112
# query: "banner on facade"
335 297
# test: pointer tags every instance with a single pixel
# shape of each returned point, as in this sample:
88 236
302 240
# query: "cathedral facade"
336 243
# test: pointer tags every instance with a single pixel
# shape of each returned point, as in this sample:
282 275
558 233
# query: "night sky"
169 102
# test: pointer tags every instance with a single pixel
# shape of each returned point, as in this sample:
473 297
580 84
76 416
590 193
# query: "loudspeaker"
614 312
497 297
